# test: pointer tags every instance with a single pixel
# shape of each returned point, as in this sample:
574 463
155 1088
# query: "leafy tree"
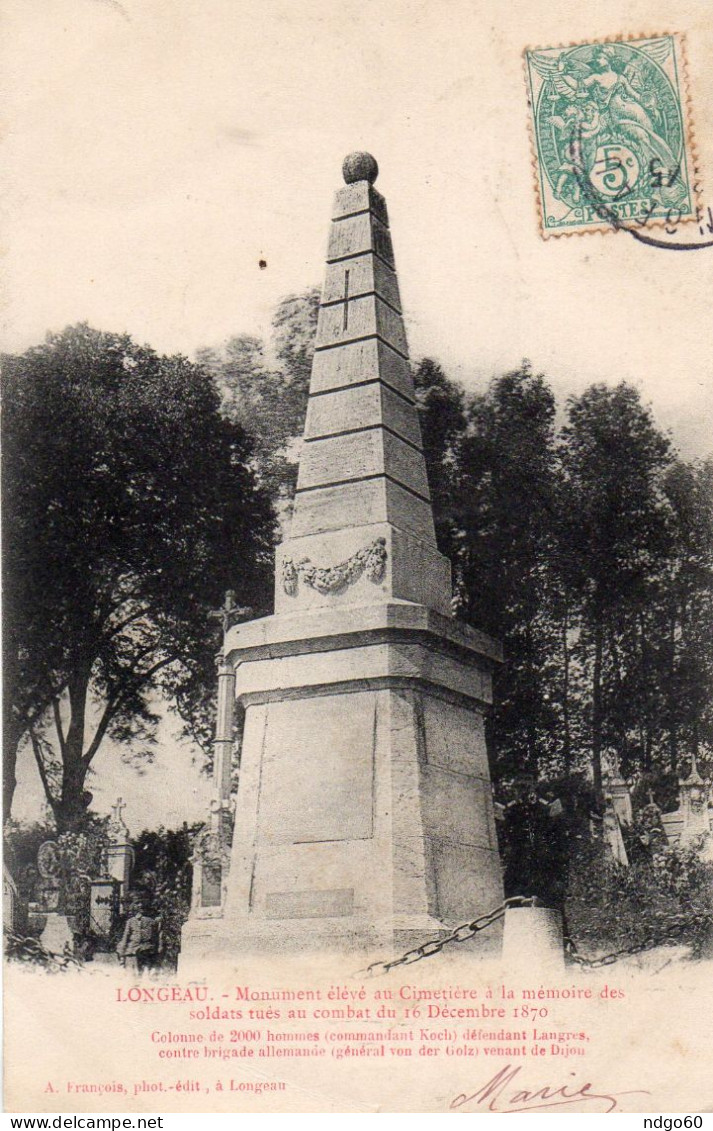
442 413
615 541
163 870
505 501
686 607
129 508
265 386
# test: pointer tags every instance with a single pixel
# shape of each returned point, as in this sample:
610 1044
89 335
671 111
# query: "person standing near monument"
140 943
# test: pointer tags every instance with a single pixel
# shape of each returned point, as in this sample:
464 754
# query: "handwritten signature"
491 1096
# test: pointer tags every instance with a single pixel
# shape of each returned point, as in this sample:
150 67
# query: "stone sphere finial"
360 167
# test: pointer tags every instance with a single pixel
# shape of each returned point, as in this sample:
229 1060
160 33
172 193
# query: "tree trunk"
14 725
597 713
672 704
567 747
13 733
71 807
622 731
531 730
646 681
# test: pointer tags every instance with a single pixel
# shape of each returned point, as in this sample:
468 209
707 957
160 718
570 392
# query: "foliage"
20 844
667 895
685 611
80 858
30 951
441 409
81 854
129 509
505 506
163 871
264 388
615 542
588 551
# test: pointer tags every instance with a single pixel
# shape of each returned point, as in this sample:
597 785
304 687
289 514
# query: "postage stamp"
610 134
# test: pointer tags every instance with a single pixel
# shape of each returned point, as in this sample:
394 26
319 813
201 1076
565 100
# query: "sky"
157 150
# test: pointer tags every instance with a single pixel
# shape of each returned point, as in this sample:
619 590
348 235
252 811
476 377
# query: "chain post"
467 931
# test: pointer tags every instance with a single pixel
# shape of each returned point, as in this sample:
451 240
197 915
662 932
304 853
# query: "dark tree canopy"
506 502
615 543
441 408
129 508
138 488
581 547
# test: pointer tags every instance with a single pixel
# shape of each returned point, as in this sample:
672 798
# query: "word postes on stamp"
610 134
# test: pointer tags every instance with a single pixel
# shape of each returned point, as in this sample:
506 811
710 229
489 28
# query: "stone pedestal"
57 937
364 817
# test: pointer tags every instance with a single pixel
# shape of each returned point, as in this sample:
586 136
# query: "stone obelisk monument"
364 817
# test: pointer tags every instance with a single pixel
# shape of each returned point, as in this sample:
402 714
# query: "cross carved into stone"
346 300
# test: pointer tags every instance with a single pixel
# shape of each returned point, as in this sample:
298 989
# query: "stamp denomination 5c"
610 134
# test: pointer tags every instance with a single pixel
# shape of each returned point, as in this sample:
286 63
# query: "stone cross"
229 611
119 853
117 810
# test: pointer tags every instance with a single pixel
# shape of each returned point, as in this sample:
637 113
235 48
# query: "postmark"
612 143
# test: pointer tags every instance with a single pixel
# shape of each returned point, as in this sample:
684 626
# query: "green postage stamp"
611 139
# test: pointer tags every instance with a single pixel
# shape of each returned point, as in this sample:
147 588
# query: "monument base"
364 819
378 942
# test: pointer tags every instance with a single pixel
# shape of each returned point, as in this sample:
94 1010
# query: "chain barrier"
627 951
609 959
462 933
469 930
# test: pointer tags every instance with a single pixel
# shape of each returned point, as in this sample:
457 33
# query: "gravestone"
119 853
693 817
364 815
612 832
618 790
56 936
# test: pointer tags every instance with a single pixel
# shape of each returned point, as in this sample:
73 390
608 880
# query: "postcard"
357 557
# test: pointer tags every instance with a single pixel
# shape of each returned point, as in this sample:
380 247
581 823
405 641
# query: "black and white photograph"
357 557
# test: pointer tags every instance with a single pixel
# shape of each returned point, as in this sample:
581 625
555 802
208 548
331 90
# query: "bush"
80 855
663 895
163 872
